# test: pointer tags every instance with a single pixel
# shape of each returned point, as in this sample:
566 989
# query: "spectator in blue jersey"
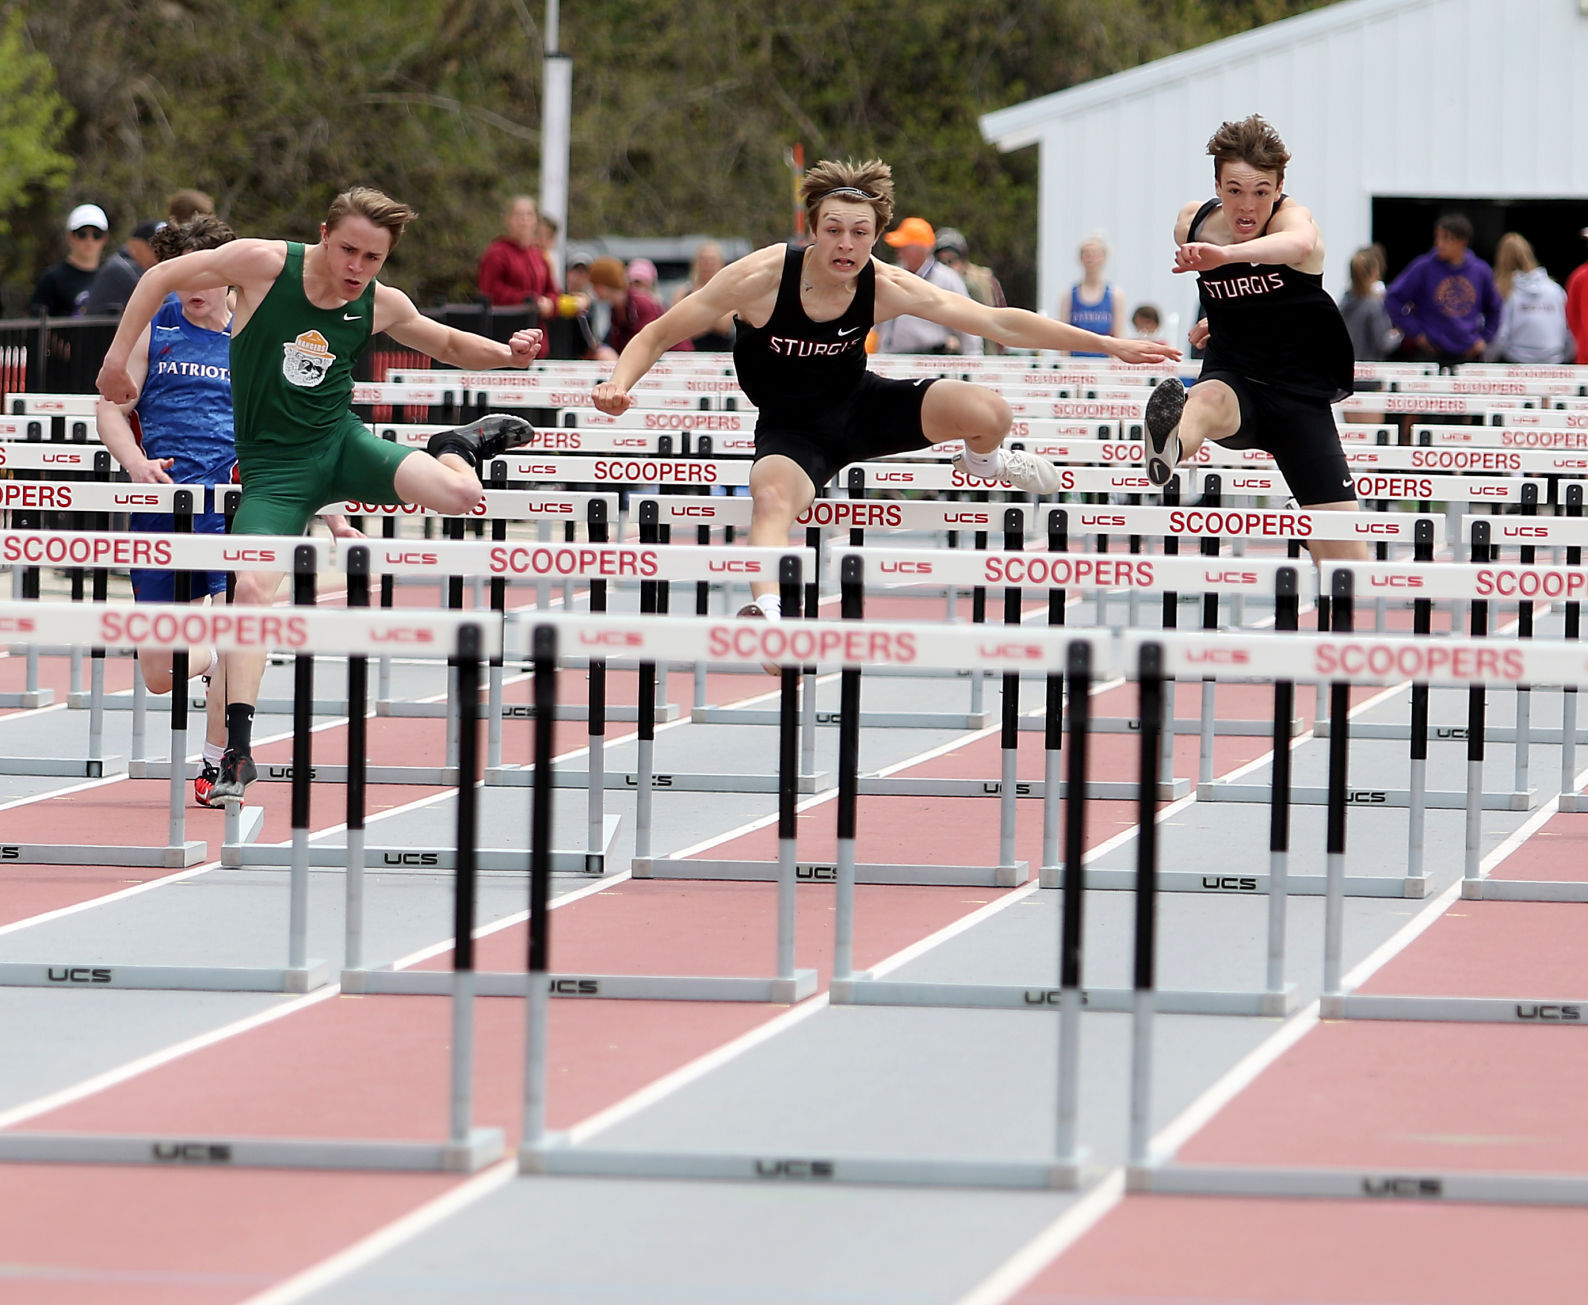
183 435
1444 302
1093 303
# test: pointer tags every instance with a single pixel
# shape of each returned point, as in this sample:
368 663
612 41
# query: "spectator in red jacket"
514 271
1577 308
632 308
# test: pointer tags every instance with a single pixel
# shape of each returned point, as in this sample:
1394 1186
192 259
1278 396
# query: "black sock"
239 728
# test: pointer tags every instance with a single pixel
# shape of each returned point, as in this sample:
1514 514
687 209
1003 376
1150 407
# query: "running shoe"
237 773
1024 471
204 784
753 612
482 440
1162 420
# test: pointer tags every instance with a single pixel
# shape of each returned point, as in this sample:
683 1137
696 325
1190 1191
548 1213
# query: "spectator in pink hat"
642 273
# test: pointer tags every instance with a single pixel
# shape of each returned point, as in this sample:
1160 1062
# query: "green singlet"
299 447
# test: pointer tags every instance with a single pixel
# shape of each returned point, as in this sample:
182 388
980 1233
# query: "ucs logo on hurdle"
191 1153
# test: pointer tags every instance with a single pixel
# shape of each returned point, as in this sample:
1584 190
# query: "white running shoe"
1162 420
1026 471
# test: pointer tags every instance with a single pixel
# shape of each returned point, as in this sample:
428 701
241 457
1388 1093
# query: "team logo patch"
307 360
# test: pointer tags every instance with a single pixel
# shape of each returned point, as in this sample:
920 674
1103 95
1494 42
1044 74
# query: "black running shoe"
237 773
204 784
482 440
1162 420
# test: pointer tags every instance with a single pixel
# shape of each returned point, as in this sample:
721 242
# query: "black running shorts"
881 416
1298 432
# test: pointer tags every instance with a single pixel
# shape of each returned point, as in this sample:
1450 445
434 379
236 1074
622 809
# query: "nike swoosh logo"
351 317
850 331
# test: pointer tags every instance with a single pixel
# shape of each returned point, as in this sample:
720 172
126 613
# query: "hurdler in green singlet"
299 446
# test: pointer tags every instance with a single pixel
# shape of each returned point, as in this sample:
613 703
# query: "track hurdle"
1453 663
178 626
464 1149
29 499
786 984
793 644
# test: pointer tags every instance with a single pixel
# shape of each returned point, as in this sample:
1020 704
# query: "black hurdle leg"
303 574
1477 721
1053 717
1287 600
544 653
1071 997
467 659
1149 676
1339 743
357 569
787 785
850 580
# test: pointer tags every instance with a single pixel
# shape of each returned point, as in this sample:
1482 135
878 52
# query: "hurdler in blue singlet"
185 413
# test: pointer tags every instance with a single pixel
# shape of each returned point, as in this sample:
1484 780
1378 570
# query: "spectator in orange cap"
914 243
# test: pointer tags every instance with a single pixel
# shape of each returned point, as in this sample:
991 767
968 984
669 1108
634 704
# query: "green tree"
33 119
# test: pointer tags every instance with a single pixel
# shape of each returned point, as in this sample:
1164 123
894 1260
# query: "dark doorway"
1405 227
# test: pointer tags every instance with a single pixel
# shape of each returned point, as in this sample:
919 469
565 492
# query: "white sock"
771 607
215 660
213 752
985 465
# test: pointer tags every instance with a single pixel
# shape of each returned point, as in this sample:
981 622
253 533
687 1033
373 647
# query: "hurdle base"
672 780
1102 790
1262 729
1523 890
175 856
1361 796
665 711
626 987
922 720
812 872
482 1147
30 699
487 860
1566 1012
166 978
1332 1184
863 990
1574 802
63 767
1249 885
1547 734
554 1157
271 772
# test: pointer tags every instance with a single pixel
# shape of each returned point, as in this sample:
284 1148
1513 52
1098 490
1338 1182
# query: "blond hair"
390 215
1512 255
873 179
1250 141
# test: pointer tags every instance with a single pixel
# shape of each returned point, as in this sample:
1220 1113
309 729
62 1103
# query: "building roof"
1024 124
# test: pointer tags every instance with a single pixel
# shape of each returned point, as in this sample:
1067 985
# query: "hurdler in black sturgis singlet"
795 363
1273 324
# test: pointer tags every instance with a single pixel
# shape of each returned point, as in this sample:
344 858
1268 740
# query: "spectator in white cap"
62 288
113 284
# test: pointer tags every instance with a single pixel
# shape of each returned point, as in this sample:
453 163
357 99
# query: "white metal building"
1451 99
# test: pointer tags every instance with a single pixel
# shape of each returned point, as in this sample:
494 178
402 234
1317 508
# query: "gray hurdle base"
278 772
1253 884
552 1155
673 781
629 987
176 856
924 720
1386 1185
863 990
167 978
483 1146
326 856
1362 796
826 872
1554 1011
1101 789
665 711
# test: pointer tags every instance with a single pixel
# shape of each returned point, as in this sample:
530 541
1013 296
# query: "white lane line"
122 1073
393 1235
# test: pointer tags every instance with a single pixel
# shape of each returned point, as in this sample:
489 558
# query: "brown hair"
187 204
1512 255
388 214
1364 272
206 231
873 179
1250 141
608 272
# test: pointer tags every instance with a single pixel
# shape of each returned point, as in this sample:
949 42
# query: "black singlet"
793 360
1275 325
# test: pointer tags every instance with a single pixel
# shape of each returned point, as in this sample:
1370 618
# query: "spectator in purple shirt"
1444 302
